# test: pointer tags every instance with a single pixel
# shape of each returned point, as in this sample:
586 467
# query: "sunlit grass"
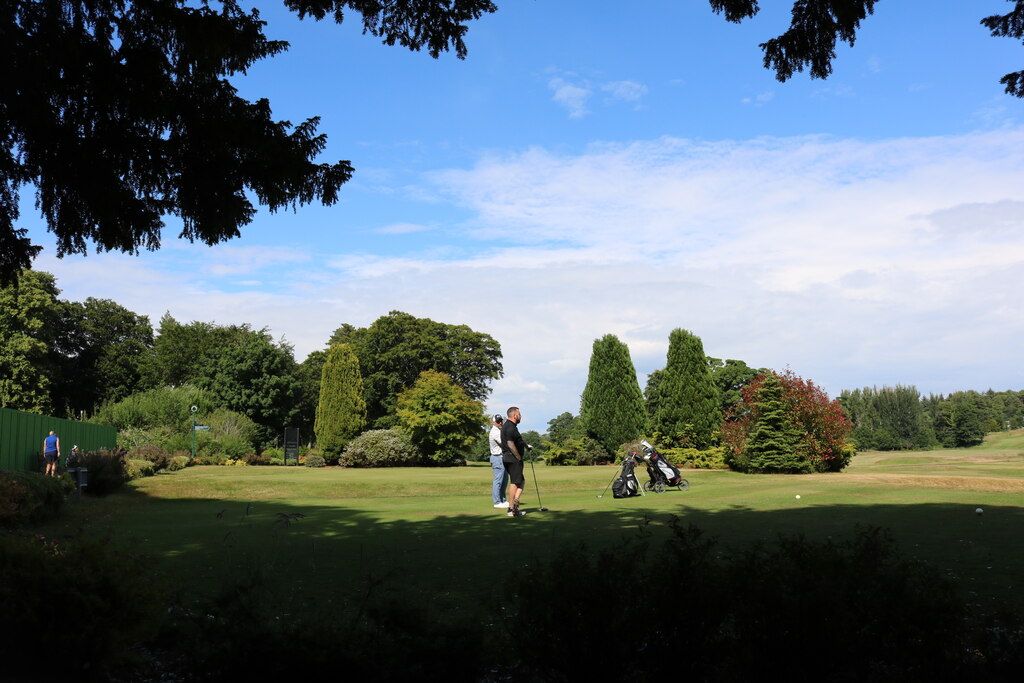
434 530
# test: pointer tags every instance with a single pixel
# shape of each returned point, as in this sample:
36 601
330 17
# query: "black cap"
499 418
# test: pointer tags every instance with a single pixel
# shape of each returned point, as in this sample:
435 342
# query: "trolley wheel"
684 485
648 486
659 487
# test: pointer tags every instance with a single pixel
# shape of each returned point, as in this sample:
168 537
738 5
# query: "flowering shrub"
380 448
820 429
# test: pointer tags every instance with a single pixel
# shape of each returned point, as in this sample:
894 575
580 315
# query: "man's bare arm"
515 451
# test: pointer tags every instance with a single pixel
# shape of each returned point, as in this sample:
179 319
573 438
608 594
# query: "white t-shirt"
495 440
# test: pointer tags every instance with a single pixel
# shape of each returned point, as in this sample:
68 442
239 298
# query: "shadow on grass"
454 559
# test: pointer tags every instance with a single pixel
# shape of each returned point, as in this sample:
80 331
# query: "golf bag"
662 473
626 486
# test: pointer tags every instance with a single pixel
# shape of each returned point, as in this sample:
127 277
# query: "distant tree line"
101 361
899 418
702 411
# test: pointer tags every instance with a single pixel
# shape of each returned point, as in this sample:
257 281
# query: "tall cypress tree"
341 412
688 406
772 444
612 407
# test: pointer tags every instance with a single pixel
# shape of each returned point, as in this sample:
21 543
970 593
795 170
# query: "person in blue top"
51 453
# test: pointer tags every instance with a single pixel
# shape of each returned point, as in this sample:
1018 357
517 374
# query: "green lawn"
434 530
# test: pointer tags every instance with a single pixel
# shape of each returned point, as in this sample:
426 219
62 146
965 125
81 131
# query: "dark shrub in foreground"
72 610
29 497
107 470
805 610
370 640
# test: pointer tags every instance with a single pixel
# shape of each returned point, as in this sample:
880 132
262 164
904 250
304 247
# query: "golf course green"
433 531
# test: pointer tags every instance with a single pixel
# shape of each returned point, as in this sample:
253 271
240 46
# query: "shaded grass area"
433 532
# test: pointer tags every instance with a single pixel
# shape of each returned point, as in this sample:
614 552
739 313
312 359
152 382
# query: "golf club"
542 508
609 484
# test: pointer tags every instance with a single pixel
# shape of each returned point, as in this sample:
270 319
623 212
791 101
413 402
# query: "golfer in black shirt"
513 448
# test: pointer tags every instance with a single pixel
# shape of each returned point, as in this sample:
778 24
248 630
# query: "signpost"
194 409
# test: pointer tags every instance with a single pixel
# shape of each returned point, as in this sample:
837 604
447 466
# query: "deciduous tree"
397 347
562 427
253 376
105 348
30 321
440 417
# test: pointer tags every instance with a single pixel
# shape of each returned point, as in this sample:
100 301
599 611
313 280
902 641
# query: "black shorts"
515 472
50 456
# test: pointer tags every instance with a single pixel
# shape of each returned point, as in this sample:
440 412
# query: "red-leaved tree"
821 428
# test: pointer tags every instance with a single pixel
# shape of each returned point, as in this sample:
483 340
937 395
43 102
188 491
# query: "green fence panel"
22 434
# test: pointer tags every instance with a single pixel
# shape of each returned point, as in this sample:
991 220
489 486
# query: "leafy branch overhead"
121 113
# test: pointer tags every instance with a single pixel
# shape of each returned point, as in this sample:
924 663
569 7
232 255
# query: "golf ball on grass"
979 511
797 496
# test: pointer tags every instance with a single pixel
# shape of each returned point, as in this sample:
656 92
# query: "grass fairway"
434 531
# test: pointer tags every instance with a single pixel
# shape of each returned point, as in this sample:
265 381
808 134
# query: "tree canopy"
440 418
397 347
688 406
121 113
341 410
612 408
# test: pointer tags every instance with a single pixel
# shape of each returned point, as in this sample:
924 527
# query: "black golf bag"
662 473
626 486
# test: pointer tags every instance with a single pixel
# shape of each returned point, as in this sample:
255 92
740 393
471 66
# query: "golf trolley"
662 474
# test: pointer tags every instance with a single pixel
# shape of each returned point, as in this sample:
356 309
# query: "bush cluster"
178 462
381 448
137 469
578 450
707 459
315 460
107 470
30 497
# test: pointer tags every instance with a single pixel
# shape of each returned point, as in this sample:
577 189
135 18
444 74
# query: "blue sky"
602 167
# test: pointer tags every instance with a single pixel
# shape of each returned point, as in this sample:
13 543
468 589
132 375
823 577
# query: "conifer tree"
772 444
341 412
688 407
612 407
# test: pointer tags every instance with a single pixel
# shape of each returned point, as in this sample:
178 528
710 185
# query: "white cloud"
626 91
401 229
759 100
854 262
572 97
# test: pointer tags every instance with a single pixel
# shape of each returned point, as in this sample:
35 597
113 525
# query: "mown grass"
433 531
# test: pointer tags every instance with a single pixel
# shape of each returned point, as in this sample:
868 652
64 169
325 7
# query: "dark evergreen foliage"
890 418
341 411
1009 25
772 444
121 112
612 408
688 409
